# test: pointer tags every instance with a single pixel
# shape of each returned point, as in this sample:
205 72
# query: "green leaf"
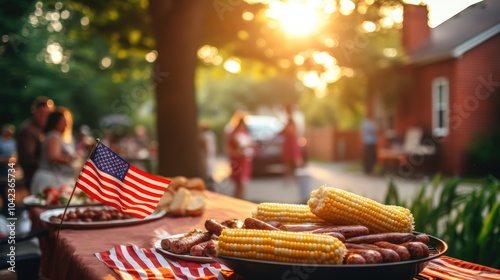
488 225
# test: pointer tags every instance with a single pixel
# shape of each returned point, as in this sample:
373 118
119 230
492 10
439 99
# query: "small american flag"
111 180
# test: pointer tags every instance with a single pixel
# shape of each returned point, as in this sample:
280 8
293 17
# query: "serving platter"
45 217
186 256
403 270
32 200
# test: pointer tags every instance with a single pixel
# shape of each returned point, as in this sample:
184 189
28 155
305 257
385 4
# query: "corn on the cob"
285 213
281 246
344 208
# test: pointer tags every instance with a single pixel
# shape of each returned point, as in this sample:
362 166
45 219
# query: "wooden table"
73 255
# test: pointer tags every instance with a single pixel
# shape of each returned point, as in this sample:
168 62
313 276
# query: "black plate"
405 270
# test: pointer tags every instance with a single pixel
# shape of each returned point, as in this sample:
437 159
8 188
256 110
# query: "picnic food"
387 254
336 227
393 237
214 227
341 207
282 246
402 251
252 241
184 243
91 215
184 197
59 196
346 231
285 213
206 248
253 223
369 255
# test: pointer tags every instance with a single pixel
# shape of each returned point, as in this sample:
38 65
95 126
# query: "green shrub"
465 216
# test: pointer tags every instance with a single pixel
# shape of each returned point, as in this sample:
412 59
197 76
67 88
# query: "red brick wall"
475 68
472 109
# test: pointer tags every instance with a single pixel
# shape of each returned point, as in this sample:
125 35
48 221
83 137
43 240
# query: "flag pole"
73 192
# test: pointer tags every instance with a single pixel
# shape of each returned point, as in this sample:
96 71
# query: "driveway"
341 175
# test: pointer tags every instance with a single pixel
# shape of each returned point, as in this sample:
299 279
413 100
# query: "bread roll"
177 207
195 183
196 205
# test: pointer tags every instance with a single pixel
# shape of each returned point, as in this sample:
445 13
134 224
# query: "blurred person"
230 126
209 152
7 143
84 141
57 156
240 148
369 138
30 137
7 156
141 137
291 153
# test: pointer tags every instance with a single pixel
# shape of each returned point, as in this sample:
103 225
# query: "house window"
440 107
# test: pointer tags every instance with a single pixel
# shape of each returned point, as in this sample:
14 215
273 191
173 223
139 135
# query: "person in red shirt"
240 148
291 152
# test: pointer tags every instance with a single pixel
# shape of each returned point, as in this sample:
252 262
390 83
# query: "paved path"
275 189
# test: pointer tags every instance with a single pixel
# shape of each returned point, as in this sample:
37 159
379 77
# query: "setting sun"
296 18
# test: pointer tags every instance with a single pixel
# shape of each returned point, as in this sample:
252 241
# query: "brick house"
455 72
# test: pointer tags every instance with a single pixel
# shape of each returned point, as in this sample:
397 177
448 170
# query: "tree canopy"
111 57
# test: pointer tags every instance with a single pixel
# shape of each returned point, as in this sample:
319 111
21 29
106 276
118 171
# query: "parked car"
264 130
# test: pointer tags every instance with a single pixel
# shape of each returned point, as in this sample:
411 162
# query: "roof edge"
476 40
459 50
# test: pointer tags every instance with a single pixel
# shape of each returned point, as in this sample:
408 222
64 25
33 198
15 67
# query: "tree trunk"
176 25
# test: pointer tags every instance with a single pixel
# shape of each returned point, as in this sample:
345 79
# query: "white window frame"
440 104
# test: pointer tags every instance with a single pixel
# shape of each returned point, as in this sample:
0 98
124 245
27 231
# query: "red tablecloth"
73 256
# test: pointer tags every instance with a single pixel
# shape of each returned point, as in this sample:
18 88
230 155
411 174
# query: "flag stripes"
134 263
111 180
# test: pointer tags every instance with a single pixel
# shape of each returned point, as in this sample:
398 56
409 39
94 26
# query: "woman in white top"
57 156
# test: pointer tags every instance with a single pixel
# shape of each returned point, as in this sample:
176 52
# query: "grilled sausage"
346 231
184 244
211 248
391 237
370 256
416 249
276 224
338 235
352 258
166 243
197 250
424 238
403 253
258 224
214 227
388 255
233 223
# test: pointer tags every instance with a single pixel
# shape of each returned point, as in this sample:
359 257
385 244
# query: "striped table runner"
132 262
447 268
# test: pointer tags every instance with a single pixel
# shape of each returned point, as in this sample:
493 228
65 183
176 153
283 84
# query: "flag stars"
109 162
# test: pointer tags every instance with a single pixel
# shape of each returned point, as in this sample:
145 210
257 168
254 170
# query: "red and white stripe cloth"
133 263
447 268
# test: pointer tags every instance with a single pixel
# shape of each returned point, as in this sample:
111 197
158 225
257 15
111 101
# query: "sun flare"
296 18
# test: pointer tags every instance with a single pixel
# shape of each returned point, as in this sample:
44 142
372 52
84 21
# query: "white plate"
32 200
186 256
45 217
